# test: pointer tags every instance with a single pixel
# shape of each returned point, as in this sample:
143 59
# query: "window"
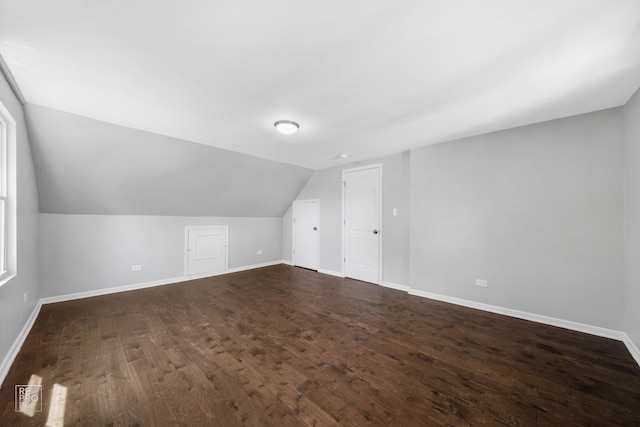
7 208
3 197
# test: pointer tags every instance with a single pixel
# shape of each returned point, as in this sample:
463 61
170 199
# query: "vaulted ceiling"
87 166
365 78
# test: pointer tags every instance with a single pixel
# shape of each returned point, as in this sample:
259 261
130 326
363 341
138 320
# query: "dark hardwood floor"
283 346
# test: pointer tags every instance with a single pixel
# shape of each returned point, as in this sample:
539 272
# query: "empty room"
320 214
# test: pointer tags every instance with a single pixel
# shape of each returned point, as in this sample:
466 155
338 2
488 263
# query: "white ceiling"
367 78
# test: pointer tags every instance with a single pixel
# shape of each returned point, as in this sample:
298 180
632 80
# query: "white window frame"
8 255
4 202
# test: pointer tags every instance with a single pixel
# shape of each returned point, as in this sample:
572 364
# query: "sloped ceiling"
85 166
366 78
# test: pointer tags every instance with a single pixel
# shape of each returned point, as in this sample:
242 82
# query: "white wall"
81 253
632 217
535 210
14 313
326 185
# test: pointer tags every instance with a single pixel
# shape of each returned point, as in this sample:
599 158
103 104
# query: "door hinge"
344 184
344 260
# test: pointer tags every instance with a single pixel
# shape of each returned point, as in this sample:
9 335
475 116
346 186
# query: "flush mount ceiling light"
286 126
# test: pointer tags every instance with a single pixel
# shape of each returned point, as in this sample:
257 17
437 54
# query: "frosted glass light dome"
286 126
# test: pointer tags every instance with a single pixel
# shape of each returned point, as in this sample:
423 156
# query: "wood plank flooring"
284 346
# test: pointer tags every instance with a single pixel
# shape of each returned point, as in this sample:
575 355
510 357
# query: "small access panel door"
206 250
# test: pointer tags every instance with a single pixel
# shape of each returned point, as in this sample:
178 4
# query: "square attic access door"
206 250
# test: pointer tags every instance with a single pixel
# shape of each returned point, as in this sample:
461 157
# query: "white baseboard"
395 286
250 267
331 272
17 344
135 286
594 330
633 349
114 290
287 262
566 324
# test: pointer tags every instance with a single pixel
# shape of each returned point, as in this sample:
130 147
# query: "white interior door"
306 214
362 234
206 250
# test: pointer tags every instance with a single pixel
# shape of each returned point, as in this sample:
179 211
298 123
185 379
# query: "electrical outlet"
482 282
26 296
136 267
259 252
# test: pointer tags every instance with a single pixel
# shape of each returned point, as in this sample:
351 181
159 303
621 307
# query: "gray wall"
632 217
536 210
287 235
128 180
326 185
395 240
13 311
86 166
80 253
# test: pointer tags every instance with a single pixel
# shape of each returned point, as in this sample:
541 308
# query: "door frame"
293 231
381 228
186 248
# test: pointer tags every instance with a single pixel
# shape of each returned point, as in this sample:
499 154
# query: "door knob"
315 228
375 231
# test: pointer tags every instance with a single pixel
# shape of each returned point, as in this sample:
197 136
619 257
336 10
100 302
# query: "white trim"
362 168
380 223
380 214
5 278
395 286
607 333
287 262
343 242
115 290
205 227
8 143
17 344
331 272
135 286
4 199
633 349
252 267
553 321
19 341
